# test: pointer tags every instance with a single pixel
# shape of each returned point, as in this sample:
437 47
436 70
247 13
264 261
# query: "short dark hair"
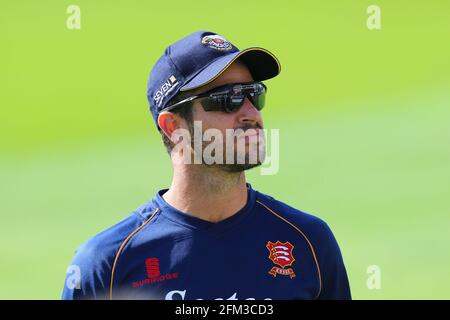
184 111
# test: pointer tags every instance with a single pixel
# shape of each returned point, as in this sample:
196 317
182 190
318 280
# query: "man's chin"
237 167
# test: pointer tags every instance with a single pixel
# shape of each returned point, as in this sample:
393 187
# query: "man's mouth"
249 133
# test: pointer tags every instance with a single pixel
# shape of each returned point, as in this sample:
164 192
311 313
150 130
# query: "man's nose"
248 114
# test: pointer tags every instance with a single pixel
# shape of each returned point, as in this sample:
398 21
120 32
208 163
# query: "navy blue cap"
197 60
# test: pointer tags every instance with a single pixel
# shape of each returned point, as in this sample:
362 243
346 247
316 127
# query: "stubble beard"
233 167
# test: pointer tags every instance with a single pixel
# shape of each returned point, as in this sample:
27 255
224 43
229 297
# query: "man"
210 235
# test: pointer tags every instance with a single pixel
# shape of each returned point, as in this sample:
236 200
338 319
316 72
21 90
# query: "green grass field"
364 119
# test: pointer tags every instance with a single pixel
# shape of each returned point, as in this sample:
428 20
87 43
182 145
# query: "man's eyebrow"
200 90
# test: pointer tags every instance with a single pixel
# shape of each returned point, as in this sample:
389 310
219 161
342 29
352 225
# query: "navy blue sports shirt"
267 250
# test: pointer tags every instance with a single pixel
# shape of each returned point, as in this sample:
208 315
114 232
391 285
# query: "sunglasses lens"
215 103
258 100
235 103
231 101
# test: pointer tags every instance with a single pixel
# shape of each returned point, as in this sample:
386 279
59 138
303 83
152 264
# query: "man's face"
247 117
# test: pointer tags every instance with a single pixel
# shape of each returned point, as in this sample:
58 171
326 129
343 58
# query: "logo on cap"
165 89
216 42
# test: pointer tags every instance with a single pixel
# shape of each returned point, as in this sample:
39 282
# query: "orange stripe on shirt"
304 236
121 248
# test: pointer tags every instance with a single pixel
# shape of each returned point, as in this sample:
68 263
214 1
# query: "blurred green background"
364 119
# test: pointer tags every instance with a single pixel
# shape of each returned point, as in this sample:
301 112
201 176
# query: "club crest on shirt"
281 254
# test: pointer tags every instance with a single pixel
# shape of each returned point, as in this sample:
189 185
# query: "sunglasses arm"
173 106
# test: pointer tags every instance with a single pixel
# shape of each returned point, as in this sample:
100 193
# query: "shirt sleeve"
88 275
335 284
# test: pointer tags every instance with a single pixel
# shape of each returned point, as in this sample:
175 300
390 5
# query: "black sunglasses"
228 98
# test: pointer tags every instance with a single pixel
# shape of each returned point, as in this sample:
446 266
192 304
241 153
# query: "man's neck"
210 194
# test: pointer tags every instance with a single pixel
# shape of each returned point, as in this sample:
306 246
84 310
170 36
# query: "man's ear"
168 123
